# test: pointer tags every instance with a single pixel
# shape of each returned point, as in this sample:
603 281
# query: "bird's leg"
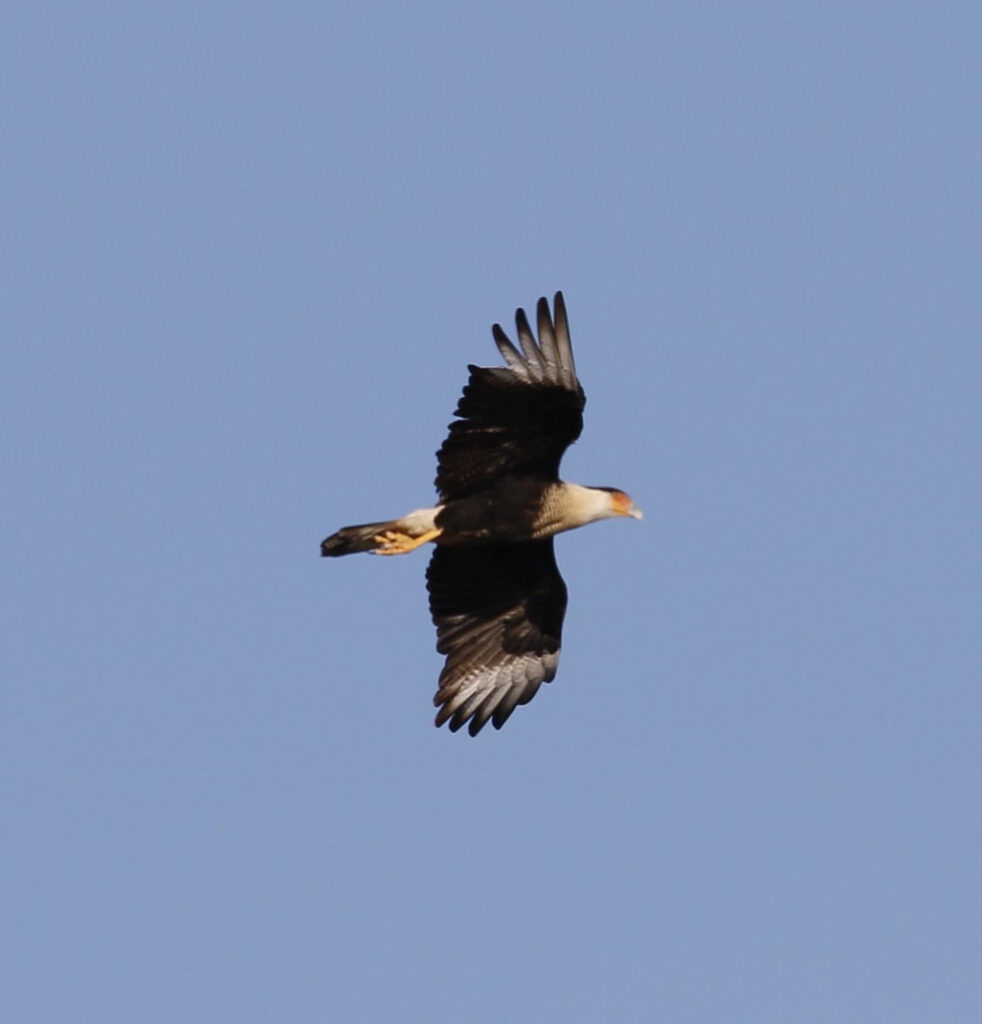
395 542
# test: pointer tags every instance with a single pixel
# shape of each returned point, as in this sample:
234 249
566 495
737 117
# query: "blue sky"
249 251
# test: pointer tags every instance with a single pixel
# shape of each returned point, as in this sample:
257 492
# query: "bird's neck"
567 506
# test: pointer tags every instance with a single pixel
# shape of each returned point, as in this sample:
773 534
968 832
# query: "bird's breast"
509 512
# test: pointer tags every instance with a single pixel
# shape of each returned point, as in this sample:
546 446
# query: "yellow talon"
392 542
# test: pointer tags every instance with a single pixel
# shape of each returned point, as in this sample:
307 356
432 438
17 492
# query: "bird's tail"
395 537
352 539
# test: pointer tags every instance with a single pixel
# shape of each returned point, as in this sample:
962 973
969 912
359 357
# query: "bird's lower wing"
498 611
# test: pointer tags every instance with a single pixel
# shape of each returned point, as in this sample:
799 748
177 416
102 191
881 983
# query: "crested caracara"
496 595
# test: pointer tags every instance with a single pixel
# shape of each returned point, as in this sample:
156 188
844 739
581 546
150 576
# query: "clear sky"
248 251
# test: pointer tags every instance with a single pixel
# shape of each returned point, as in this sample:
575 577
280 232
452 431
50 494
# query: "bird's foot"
393 542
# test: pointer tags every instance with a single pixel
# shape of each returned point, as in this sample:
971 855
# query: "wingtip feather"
564 344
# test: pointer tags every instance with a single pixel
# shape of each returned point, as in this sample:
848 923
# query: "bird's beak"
621 504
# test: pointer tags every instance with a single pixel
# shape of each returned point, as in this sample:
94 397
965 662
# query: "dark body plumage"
496 596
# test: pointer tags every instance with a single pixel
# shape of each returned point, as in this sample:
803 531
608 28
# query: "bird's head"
619 503
623 505
581 505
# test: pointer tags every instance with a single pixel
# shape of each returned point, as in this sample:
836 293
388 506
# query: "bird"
496 595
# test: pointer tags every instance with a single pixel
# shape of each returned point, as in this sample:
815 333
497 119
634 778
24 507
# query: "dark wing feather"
519 418
498 612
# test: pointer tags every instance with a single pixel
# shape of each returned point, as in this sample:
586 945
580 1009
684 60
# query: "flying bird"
496 596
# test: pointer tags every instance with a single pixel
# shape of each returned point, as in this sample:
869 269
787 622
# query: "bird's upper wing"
498 611
519 418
